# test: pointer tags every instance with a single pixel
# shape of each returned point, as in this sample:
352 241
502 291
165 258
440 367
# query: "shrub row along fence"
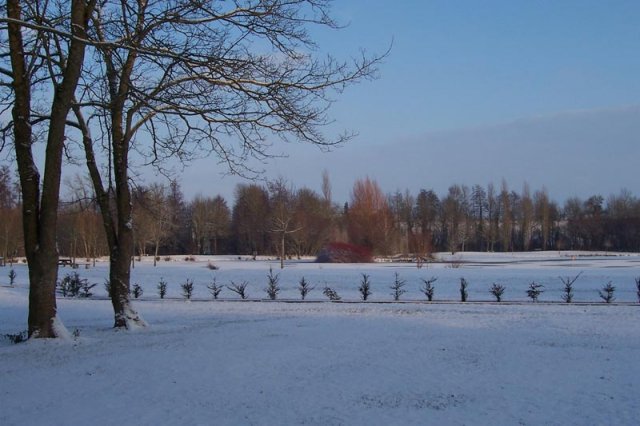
74 286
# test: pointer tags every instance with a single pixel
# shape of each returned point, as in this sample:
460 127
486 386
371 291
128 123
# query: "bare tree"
9 217
142 220
185 78
456 216
526 224
492 217
543 216
210 221
314 218
81 231
56 32
506 219
478 206
282 200
427 209
162 217
249 220
369 217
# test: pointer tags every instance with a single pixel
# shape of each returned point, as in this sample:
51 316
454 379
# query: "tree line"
278 220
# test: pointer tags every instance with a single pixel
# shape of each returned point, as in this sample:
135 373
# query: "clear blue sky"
469 78
466 63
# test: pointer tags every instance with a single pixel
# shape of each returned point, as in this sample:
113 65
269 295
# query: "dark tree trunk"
40 209
118 228
122 252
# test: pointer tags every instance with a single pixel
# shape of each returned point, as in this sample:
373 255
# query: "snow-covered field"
275 363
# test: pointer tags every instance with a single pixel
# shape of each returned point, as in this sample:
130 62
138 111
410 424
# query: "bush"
166 258
606 293
463 290
497 290
272 285
534 291
568 287
16 338
137 290
12 277
397 287
331 294
365 287
239 289
74 286
304 288
638 288
189 259
187 289
86 289
428 289
344 253
162 288
215 289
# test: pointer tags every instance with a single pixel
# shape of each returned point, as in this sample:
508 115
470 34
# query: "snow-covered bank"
277 363
325 363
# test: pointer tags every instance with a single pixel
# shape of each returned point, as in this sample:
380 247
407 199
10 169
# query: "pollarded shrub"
567 296
534 291
187 289
215 289
397 287
606 293
162 288
428 288
272 284
304 288
239 288
497 290
365 287
463 290
331 294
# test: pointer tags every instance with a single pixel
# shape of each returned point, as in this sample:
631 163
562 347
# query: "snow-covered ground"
275 363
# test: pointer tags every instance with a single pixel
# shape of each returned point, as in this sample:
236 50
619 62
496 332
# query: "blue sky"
504 76
457 64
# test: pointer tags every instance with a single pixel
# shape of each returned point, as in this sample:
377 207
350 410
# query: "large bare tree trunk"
122 252
118 228
40 209
120 278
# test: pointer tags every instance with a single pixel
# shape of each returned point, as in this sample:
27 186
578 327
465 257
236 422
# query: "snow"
235 362
59 329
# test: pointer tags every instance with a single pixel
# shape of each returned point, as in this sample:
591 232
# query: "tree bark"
117 225
40 209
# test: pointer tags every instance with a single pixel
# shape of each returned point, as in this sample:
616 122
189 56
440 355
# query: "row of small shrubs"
497 290
74 286
397 289
533 292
